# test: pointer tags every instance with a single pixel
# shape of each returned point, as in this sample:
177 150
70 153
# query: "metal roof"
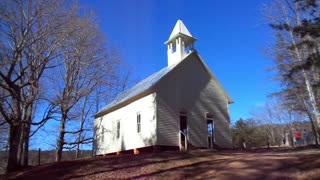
142 86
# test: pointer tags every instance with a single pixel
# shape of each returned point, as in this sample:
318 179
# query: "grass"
277 163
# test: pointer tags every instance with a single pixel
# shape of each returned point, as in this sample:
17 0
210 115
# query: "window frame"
118 130
138 122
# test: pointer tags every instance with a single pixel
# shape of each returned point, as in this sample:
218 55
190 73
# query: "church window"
118 129
138 123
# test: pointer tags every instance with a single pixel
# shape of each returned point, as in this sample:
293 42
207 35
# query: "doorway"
210 127
183 130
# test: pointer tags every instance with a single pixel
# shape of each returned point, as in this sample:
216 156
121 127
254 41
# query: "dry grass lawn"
279 163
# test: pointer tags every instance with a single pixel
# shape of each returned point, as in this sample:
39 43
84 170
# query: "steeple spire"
180 28
180 43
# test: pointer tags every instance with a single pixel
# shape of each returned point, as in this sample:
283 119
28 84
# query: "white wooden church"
182 105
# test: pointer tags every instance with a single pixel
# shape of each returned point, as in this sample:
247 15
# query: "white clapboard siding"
106 127
190 88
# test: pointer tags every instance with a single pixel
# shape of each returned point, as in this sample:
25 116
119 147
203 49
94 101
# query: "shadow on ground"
267 164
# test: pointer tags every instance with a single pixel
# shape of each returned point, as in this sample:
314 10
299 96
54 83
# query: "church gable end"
190 88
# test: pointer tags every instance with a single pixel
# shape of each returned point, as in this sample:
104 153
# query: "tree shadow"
179 165
243 168
98 165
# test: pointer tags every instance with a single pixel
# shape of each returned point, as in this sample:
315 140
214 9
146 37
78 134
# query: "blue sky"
232 36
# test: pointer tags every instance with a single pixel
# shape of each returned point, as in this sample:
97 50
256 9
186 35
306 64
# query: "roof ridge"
140 87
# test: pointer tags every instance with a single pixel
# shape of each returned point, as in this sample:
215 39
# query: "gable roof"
137 89
149 82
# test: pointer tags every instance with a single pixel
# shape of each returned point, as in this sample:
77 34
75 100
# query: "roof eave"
192 39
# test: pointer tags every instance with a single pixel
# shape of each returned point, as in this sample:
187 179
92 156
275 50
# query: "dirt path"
266 164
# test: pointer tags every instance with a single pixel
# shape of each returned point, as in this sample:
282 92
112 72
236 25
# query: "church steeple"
180 43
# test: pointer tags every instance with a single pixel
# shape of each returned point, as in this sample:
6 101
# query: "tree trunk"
26 146
60 142
20 147
312 99
291 139
272 137
314 128
78 146
25 162
83 118
14 140
78 151
244 145
315 133
79 138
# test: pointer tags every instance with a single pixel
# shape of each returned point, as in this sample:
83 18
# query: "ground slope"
283 163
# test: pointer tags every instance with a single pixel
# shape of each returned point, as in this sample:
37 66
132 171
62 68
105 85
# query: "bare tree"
86 66
277 118
86 122
32 35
